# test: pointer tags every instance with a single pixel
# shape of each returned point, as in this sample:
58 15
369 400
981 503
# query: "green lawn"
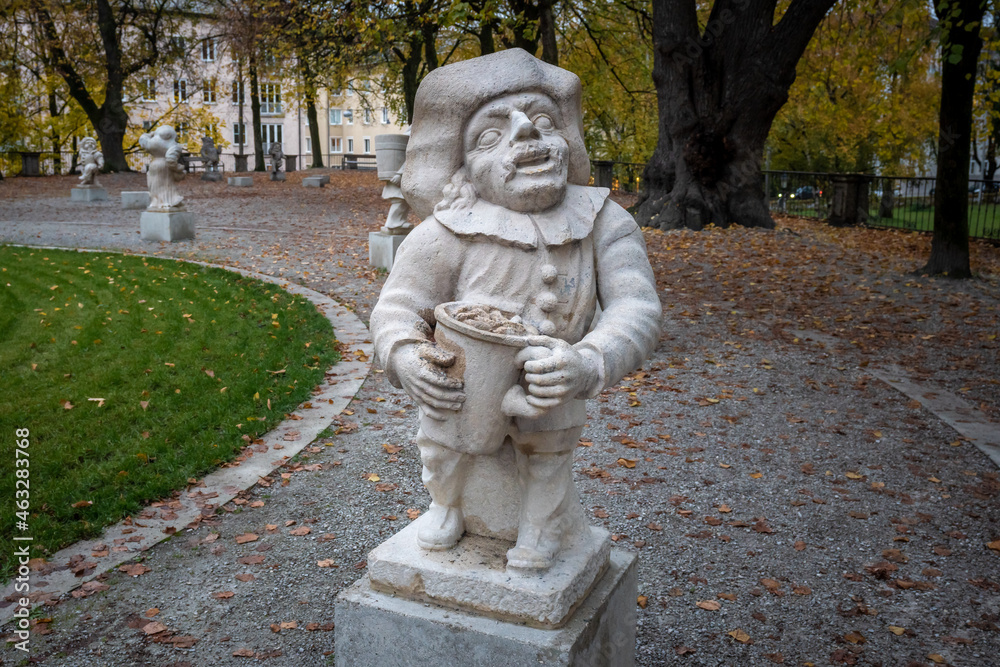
187 360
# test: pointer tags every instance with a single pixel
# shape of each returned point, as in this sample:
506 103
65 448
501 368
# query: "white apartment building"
205 99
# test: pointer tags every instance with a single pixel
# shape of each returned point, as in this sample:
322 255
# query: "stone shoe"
532 551
441 528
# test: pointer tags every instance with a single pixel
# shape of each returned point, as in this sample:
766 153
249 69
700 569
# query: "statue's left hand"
555 371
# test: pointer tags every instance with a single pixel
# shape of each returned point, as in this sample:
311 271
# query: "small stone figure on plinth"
165 219
210 160
277 159
489 320
390 156
91 162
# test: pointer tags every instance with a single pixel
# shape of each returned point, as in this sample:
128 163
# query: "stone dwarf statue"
91 162
166 168
496 167
399 210
210 154
277 157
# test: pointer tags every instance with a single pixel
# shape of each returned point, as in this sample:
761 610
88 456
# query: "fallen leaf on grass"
82 503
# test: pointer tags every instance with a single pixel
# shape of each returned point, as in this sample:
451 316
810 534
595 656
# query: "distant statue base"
135 200
383 245
277 175
166 225
88 193
213 176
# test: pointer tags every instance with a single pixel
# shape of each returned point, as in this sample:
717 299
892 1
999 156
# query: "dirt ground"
787 506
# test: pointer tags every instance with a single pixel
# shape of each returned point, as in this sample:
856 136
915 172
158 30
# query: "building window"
180 91
148 90
368 144
349 116
212 130
239 133
336 145
208 50
147 125
350 91
208 91
239 93
336 93
309 145
350 144
178 45
385 116
368 116
335 117
182 132
270 98
270 133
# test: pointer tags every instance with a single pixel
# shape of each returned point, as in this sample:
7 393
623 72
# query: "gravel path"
787 506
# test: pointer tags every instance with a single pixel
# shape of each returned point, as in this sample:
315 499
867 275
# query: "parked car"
806 192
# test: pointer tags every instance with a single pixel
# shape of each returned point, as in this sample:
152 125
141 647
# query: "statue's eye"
488 138
543 122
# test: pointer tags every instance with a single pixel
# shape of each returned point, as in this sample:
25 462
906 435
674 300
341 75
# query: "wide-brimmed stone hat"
447 98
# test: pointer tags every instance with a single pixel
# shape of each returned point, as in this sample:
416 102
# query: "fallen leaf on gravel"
601 514
301 530
412 513
855 638
271 527
762 527
243 653
245 577
251 560
937 657
654 526
725 509
896 630
257 503
151 612
727 596
327 562
372 477
945 551
223 595
709 605
246 537
776 658
385 486
154 628
289 625
642 601
799 545
739 636
89 588
995 545
627 463
392 449
895 555
134 570
326 537
802 590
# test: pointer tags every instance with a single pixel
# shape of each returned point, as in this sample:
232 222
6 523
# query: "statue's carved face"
88 144
515 153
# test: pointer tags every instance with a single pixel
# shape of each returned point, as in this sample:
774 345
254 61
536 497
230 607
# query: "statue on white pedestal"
165 169
514 254
91 162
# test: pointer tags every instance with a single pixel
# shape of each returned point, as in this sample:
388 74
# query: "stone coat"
555 269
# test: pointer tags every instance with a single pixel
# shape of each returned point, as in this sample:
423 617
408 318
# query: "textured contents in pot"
486 318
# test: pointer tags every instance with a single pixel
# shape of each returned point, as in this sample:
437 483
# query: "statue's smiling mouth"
535 162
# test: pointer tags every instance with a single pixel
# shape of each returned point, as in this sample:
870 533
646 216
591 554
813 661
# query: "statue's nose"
521 127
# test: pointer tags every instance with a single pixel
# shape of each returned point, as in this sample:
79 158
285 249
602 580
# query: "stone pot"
390 154
485 362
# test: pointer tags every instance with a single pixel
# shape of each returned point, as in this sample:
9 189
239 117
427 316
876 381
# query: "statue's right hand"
420 369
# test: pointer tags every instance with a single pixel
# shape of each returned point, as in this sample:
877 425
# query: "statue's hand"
555 371
419 368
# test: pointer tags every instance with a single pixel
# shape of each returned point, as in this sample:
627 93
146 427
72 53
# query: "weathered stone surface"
166 225
90 193
91 162
378 630
165 169
241 181
473 576
315 181
214 176
382 248
278 176
138 199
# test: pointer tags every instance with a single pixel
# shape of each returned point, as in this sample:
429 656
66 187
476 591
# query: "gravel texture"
816 515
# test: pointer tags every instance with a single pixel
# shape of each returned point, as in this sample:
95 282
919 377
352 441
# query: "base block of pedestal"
166 225
382 249
88 194
211 176
241 181
378 629
315 181
278 176
136 200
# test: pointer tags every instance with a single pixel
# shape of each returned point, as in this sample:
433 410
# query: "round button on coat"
547 302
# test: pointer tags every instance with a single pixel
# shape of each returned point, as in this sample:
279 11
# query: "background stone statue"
210 154
165 169
516 251
399 210
277 157
91 162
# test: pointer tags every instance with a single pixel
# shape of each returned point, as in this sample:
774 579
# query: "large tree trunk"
309 85
258 136
959 56
718 92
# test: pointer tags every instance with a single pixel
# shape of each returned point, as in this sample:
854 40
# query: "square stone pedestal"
137 200
378 629
278 176
382 248
166 225
315 181
88 194
241 181
211 176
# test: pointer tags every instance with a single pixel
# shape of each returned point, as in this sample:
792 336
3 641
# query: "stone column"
850 200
